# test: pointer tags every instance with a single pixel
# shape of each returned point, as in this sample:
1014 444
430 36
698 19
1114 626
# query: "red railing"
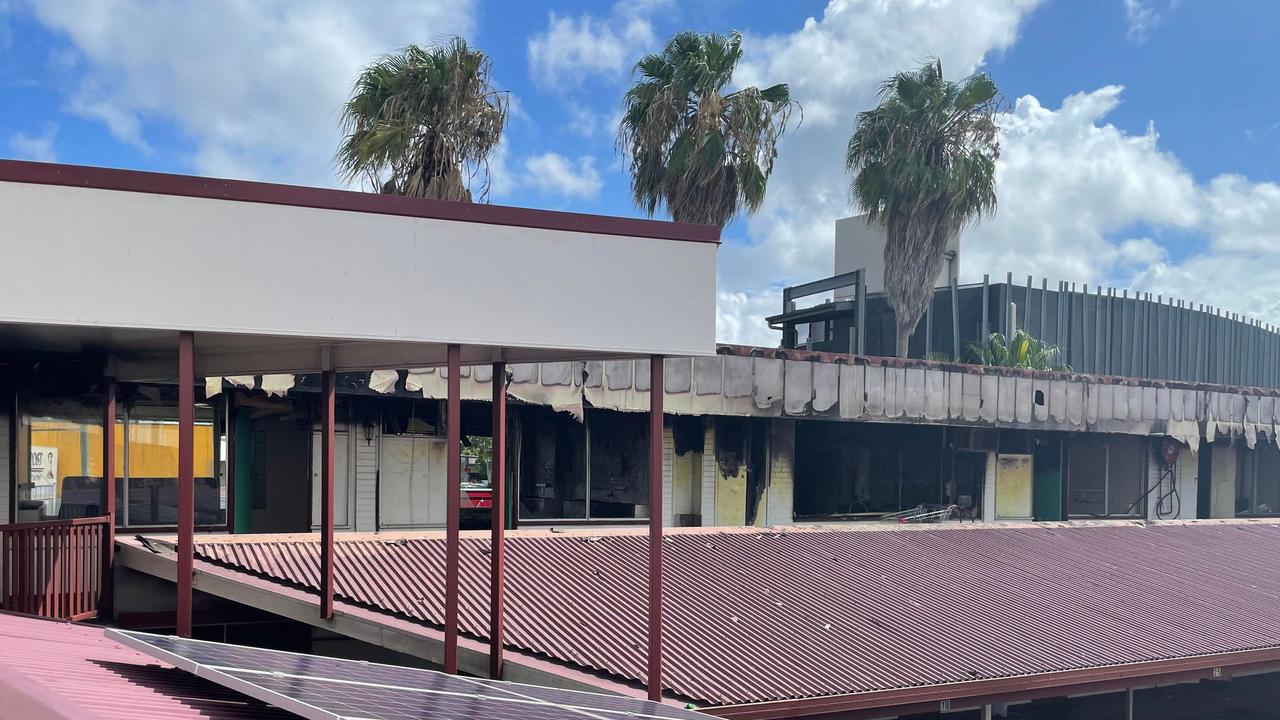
53 569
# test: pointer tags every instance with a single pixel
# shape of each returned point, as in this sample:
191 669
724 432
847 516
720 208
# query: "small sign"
44 466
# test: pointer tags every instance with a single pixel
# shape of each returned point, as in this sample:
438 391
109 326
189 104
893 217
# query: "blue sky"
1140 144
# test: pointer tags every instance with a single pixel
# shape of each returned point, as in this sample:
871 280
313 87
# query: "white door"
411 482
341 481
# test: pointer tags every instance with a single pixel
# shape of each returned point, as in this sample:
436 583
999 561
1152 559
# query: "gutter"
1021 688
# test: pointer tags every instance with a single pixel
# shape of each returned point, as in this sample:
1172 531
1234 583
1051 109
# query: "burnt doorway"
965 486
279 447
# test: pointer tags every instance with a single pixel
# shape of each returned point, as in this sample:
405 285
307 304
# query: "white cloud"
1142 19
1238 266
1141 252
1071 184
574 48
35 147
256 87
834 65
555 174
1067 183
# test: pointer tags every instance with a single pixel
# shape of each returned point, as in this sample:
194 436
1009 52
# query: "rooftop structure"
137 291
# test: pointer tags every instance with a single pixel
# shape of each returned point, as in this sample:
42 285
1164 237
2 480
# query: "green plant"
693 148
924 166
1023 350
422 122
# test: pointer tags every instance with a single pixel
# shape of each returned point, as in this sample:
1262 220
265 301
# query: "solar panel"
323 688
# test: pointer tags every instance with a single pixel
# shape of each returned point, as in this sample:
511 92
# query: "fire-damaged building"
826 531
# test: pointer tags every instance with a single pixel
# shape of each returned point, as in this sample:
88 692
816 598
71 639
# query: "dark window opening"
860 470
619 464
552 465
1258 481
1106 475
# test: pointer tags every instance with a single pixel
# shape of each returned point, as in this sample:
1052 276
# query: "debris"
277 385
383 381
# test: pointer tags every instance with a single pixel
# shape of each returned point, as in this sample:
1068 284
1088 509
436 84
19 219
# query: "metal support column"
497 543
861 348
327 379
186 479
108 494
656 389
453 488
928 327
955 322
1006 295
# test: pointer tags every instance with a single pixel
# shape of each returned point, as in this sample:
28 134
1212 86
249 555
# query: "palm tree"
924 164
422 122
698 151
1023 350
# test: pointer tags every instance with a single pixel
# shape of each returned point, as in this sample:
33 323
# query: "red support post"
326 494
108 494
498 492
656 389
186 479
453 489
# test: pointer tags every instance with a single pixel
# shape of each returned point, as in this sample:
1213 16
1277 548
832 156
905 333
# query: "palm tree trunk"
904 339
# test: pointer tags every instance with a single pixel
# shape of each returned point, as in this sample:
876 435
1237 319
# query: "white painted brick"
782 442
709 471
366 499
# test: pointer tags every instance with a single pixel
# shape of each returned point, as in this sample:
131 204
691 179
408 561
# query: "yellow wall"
153 448
1014 487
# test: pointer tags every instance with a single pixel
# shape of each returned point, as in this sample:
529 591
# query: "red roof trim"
297 196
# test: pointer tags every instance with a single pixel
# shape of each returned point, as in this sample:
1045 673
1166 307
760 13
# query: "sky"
1140 139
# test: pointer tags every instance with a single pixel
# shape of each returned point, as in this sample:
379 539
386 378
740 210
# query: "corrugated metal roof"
770 615
86 676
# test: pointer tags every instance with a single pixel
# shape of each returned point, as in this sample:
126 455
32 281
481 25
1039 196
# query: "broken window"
1106 475
1258 481
553 478
595 469
864 470
618 464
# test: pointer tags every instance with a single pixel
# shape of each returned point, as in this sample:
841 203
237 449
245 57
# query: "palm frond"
423 121
923 164
695 151
1022 350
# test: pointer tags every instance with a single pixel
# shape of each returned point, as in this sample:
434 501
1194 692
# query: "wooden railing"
53 569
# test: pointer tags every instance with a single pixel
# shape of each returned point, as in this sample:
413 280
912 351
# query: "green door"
1046 500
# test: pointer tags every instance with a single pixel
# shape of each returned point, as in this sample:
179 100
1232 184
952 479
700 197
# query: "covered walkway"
173 279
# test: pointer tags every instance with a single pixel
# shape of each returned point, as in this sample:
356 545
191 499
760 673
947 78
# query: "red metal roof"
60 670
768 615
